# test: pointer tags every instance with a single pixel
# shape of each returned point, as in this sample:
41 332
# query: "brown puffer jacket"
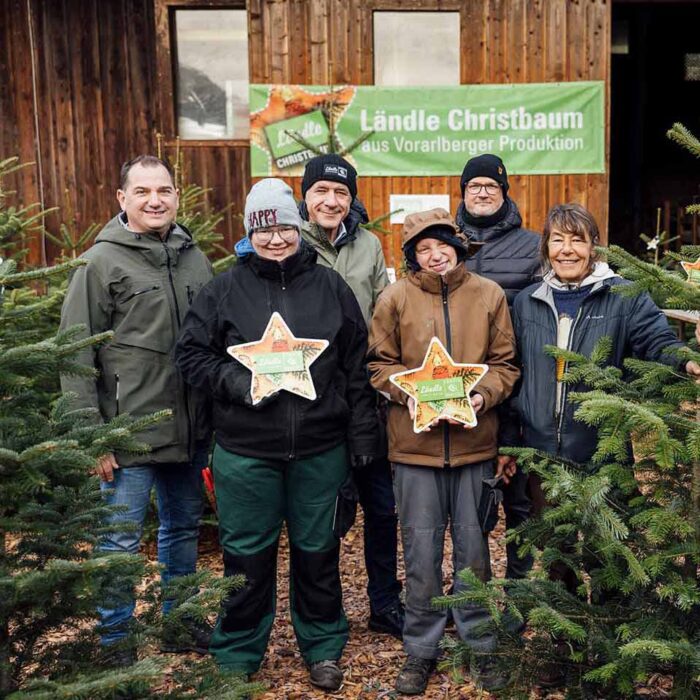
469 314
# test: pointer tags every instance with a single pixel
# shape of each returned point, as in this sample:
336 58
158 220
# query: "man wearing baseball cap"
509 256
333 217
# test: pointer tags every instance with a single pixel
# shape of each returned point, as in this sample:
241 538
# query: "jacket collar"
510 221
352 222
157 251
433 283
289 268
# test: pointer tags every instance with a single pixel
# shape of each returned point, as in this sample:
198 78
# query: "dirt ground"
371 661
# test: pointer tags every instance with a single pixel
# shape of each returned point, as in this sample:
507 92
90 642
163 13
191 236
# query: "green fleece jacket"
359 260
140 287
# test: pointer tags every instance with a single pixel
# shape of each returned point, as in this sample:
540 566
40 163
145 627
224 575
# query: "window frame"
166 68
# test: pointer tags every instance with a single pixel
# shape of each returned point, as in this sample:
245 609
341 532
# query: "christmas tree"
52 513
626 527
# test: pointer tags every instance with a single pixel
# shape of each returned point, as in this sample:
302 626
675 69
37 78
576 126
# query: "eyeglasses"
475 188
265 235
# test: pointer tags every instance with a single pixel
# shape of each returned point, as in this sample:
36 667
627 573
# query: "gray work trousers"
427 499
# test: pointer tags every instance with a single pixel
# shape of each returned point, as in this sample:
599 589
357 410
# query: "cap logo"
338 170
500 170
262 217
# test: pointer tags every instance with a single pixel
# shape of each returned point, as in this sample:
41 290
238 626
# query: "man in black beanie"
332 225
509 256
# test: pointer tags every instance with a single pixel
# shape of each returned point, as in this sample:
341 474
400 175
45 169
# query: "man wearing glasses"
509 256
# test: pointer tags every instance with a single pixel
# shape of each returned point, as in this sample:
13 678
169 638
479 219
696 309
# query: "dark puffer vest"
510 254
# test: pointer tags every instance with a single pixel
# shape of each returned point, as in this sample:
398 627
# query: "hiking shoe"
413 677
195 637
388 621
487 673
326 674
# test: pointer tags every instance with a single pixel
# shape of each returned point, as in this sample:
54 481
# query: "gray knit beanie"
270 202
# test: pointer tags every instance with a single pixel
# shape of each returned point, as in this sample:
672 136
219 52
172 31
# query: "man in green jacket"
143 272
333 215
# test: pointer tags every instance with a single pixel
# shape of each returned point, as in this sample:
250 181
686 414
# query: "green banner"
441 389
279 362
537 128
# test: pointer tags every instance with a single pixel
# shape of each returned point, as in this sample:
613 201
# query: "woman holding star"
439 323
279 342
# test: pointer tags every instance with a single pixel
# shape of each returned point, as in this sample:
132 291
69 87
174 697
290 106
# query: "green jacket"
359 261
139 287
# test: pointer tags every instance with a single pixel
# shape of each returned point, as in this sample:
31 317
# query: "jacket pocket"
143 317
140 382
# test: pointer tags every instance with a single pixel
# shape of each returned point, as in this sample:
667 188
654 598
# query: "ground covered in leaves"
371 661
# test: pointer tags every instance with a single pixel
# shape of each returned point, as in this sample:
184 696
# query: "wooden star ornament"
692 270
279 361
440 387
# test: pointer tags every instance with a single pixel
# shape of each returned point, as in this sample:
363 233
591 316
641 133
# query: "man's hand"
477 402
693 368
106 466
506 466
697 332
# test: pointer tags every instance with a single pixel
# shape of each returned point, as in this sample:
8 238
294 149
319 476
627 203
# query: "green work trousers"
254 497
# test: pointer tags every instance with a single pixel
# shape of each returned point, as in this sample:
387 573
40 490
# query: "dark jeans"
377 500
516 505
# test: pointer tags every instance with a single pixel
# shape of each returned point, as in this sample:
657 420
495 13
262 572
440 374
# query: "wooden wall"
503 41
77 101
102 86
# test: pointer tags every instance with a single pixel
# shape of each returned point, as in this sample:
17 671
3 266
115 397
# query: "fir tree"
52 513
627 526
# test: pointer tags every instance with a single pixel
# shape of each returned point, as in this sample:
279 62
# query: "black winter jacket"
638 329
510 254
315 302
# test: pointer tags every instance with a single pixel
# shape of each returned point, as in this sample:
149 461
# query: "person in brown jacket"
438 473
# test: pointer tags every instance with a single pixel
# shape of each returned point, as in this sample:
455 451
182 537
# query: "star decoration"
279 361
449 382
692 270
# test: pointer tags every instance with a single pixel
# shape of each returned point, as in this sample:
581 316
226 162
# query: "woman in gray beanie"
286 457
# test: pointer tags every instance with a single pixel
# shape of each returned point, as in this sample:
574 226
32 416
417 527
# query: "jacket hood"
510 221
355 218
115 231
601 271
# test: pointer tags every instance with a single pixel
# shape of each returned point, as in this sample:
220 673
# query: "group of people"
491 291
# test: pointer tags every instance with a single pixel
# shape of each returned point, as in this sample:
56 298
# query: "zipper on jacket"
116 392
143 291
185 386
190 294
565 387
448 338
292 407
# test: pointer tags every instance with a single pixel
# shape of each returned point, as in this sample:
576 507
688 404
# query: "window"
416 48
212 74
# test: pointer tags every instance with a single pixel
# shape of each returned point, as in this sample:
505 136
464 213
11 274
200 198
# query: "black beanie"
442 233
487 165
329 167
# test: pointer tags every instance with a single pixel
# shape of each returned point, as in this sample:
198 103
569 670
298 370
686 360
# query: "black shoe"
194 638
119 655
388 621
487 673
414 676
326 674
